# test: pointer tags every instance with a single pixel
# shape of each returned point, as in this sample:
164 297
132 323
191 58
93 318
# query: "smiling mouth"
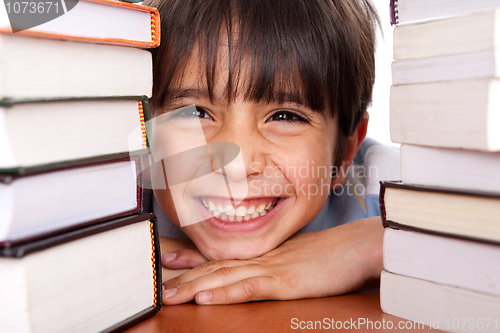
245 211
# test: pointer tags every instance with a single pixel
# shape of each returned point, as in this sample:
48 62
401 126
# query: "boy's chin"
232 252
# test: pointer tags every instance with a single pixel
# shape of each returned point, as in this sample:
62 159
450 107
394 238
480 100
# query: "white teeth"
241 211
229 213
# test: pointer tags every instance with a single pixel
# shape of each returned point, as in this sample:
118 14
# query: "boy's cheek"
162 192
164 199
310 180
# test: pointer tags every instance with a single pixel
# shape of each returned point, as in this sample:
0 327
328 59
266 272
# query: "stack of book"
76 252
442 244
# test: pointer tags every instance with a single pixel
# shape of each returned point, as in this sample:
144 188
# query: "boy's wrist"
376 250
167 245
371 253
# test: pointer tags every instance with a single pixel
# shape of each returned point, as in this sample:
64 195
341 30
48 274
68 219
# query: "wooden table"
278 316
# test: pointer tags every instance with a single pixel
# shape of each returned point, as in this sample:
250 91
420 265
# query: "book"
446 260
104 277
99 21
452 67
458 169
465 214
464 34
37 68
448 114
49 132
407 11
38 204
439 306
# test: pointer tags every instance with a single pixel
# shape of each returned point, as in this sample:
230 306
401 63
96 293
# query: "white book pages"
459 169
411 11
439 306
472 33
36 68
456 262
444 68
56 200
451 114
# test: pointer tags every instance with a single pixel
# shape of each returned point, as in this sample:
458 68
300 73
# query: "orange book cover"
64 29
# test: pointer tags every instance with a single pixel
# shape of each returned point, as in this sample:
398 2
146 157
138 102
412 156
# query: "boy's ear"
353 143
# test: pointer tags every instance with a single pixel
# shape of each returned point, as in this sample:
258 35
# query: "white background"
378 127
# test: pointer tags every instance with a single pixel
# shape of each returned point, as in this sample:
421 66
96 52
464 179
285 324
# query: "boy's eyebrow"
294 98
286 97
178 93
277 97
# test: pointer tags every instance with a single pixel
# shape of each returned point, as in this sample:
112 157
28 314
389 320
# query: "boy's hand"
179 249
183 258
326 263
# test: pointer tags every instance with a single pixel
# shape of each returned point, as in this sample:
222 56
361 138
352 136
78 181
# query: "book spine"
153 264
394 12
155 29
138 179
13 250
155 249
381 198
143 125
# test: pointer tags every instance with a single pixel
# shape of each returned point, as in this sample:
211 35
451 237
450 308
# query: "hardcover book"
448 114
104 277
408 11
99 21
465 34
457 169
446 260
465 214
44 202
481 64
439 306
48 132
37 68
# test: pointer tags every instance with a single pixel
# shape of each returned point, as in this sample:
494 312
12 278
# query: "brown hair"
321 51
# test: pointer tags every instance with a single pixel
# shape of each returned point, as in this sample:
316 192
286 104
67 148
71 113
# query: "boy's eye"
194 112
288 116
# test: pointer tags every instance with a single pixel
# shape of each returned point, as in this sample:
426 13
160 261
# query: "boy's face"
288 153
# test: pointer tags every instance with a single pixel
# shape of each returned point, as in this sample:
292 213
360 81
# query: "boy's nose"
247 144
227 158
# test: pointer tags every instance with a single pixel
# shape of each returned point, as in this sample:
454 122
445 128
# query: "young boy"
288 83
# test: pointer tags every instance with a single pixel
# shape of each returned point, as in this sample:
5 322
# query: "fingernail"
168 257
205 297
167 293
